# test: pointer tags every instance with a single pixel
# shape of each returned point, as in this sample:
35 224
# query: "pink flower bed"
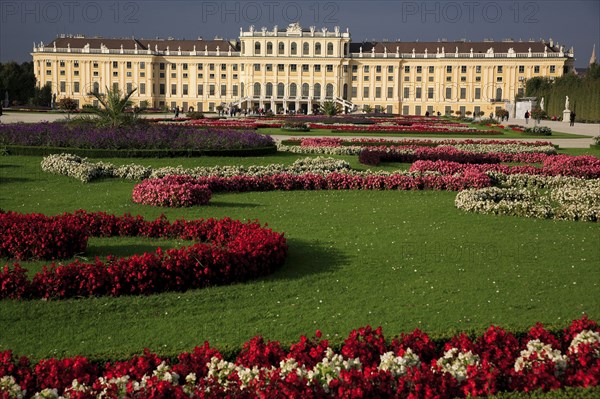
415 128
585 167
375 155
36 236
226 251
171 191
337 142
410 366
344 181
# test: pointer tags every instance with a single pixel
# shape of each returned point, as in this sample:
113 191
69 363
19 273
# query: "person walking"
526 117
177 112
572 118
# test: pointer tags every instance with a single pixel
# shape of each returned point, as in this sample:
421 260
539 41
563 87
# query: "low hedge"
133 153
565 393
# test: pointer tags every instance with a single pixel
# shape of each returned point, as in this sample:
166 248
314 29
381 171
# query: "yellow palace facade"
296 69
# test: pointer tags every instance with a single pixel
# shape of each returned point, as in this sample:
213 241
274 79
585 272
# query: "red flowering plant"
363 368
171 191
226 251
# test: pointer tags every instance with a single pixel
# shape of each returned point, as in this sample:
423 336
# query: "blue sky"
571 23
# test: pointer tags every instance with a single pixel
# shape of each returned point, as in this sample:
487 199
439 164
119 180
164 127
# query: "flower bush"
343 181
538 130
156 136
579 201
366 367
81 169
226 251
35 236
171 191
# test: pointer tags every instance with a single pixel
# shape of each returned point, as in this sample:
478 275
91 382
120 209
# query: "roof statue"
294 28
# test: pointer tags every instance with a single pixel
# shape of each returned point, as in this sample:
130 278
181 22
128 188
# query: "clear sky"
571 23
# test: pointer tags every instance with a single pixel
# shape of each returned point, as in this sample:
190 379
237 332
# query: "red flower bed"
171 191
343 181
36 236
227 251
367 366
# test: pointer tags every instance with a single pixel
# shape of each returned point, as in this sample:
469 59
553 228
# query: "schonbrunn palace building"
296 69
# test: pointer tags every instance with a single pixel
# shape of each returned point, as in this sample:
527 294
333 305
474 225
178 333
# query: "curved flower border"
366 365
226 251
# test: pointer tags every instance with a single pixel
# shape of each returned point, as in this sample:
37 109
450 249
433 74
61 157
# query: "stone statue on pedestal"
566 103
542 104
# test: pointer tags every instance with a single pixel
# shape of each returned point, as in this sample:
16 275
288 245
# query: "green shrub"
295 127
539 131
195 115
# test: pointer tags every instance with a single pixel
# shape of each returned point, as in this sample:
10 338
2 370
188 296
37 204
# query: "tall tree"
18 80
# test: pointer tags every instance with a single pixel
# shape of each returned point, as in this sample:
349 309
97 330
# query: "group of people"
571 118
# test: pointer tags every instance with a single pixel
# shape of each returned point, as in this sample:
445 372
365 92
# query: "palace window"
449 69
128 65
406 69
211 67
200 76
463 93
478 78
430 93
142 65
354 68
294 49
200 90
329 68
280 67
418 92
477 93
293 68
49 64
161 66
378 69
76 87
142 88
463 78
390 92
391 69
269 67
354 91
174 89
366 92
406 92
448 93
49 72
257 48
173 67
419 69
499 79
536 69
366 69
223 90
521 68
463 69
200 67
211 90
76 64
478 69
128 74
269 48
318 48
234 91
76 73
257 67
129 87
173 76
500 68
115 73
293 90
329 48
431 69
185 90
161 88
305 48
552 69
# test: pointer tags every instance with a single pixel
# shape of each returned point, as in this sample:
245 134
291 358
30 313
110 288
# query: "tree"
330 108
42 97
111 111
18 80
367 109
67 104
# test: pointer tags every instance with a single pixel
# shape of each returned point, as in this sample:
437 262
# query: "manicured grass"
397 259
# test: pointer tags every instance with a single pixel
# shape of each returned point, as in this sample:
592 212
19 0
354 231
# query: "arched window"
305 90
256 89
498 94
305 48
318 49
257 48
317 93
329 91
96 87
280 90
329 48
269 48
281 48
269 90
293 90
294 49
345 92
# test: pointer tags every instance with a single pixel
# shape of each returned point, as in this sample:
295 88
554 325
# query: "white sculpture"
567 103
542 104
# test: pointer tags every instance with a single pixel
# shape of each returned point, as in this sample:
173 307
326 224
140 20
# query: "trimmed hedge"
166 153
565 393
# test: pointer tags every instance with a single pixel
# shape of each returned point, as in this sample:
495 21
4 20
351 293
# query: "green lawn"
396 259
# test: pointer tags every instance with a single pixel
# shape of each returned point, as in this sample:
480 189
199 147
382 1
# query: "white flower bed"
506 148
82 169
456 363
568 199
339 150
536 352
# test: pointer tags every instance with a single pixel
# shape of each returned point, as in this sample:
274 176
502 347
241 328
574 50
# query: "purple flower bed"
142 137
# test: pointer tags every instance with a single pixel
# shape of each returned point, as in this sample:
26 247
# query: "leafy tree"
330 108
367 109
42 97
111 111
18 80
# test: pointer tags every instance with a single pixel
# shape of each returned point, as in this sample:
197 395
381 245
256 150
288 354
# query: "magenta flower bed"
171 191
340 181
36 236
366 366
226 251
585 167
